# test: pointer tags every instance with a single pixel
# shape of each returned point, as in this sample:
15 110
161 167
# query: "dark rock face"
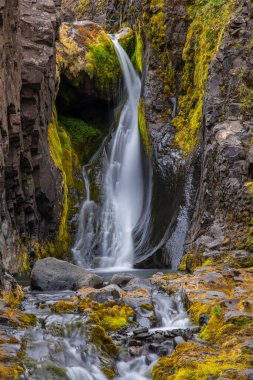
52 274
224 204
30 185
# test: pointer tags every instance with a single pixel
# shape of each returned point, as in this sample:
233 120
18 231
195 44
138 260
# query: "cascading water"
126 204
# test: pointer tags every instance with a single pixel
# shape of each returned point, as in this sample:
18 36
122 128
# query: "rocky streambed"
117 331
129 327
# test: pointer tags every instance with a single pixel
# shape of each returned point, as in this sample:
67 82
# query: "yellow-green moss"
103 341
190 262
128 41
209 20
65 306
137 58
249 232
63 160
108 315
109 372
13 297
194 361
10 373
147 306
143 127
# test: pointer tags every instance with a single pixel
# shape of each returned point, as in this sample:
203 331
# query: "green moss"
84 139
128 41
137 58
209 19
102 62
143 128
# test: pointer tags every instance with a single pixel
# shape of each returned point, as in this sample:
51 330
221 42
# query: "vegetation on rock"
208 21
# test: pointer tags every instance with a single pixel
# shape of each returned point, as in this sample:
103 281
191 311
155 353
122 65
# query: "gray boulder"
53 274
121 279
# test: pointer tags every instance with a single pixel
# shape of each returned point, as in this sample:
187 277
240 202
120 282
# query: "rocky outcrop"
224 207
30 187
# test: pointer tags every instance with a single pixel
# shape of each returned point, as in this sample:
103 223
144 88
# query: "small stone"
154 347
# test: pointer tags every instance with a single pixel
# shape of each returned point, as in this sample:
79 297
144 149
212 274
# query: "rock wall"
223 215
30 185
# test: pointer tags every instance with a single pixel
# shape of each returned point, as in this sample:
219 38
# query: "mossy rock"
126 38
85 48
103 341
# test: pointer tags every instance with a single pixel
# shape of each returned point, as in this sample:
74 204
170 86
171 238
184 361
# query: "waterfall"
122 224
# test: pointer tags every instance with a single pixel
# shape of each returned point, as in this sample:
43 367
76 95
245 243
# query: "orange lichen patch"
18 319
137 293
86 291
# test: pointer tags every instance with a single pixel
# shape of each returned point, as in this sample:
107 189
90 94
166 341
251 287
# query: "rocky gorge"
184 308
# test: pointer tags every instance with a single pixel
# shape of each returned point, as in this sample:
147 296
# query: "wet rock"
203 319
154 347
247 374
52 274
179 340
121 279
140 331
107 293
135 350
135 342
144 336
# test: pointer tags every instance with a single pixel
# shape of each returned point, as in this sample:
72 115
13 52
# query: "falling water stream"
126 195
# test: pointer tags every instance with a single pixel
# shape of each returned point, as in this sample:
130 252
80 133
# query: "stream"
59 343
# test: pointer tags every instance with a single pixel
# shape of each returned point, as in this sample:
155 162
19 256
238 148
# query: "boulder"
53 274
121 279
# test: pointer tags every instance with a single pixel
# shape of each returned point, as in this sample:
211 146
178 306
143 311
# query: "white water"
170 313
126 204
124 186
